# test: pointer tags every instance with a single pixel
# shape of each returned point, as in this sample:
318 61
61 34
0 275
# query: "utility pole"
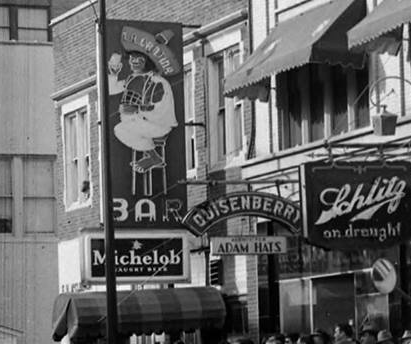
111 319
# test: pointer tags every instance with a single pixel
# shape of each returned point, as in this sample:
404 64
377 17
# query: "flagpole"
111 320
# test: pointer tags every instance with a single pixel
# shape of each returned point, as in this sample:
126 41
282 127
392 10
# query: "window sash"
77 154
227 112
32 18
24 23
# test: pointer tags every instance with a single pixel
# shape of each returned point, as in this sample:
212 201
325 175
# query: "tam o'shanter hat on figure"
369 328
384 336
406 335
154 46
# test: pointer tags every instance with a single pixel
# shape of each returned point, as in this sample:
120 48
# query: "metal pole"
111 320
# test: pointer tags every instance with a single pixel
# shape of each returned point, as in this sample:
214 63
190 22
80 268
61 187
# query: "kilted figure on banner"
146 121
147 103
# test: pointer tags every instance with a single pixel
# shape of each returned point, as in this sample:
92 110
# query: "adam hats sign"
354 205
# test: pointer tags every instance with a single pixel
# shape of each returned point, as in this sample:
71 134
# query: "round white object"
384 276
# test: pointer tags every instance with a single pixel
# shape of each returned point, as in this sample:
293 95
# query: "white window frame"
224 43
190 118
73 108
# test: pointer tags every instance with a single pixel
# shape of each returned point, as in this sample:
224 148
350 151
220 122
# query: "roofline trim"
72 12
74 88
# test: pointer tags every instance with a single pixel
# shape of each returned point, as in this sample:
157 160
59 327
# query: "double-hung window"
226 114
24 23
76 153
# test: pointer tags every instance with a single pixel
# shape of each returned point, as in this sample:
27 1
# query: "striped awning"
83 315
316 36
385 18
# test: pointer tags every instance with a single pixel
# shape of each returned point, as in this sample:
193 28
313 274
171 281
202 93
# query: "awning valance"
83 315
386 17
318 35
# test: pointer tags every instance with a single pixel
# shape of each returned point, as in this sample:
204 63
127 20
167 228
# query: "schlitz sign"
146 109
355 205
158 257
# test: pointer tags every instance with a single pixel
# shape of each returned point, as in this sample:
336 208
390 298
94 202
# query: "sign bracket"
214 182
343 151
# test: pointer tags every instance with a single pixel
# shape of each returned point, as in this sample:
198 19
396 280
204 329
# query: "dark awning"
83 315
318 35
386 17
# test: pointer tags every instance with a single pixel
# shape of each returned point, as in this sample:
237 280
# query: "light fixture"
384 123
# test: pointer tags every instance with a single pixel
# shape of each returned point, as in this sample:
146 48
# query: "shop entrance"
333 301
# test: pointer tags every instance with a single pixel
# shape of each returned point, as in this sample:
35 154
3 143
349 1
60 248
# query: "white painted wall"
28 287
26 110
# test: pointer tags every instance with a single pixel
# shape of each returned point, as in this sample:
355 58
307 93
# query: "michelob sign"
146 123
355 205
154 257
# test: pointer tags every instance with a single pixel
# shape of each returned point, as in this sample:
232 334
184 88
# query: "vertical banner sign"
146 109
356 205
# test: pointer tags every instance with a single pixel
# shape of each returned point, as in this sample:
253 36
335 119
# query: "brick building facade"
215 36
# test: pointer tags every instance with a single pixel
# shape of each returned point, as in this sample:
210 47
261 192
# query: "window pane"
362 111
331 291
38 178
32 35
4 34
70 158
316 104
5 177
32 18
340 114
83 128
72 182
5 215
237 132
71 137
221 134
188 94
4 16
220 84
295 306
39 224
190 149
289 103
234 60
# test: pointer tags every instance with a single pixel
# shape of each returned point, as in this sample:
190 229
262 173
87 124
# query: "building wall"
75 62
28 255
265 164
28 286
69 222
26 109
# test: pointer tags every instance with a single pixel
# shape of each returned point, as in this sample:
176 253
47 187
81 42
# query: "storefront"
324 277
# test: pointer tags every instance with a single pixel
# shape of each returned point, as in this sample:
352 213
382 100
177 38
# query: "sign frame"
181 235
241 243
203 216
146 123
349 205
